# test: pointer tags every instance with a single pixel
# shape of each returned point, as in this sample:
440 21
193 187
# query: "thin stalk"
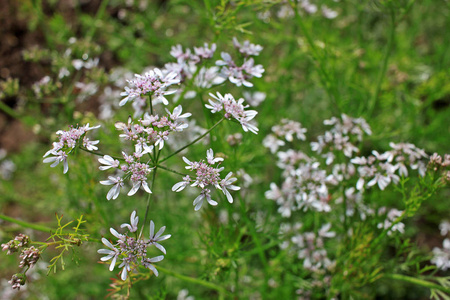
98 153
195 281
9 111
389 46
170 170
150 104
148 202
418 281
26 224
193 142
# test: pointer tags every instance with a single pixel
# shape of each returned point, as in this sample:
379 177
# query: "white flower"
110 254
205 194
155 238
226 184
210 157
60 156
108 162
117 183
132 227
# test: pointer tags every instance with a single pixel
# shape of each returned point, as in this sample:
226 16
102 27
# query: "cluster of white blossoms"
309 178
310 247
441 256
240 75
149 133
187 63
207 178
233 109
382 169
68 141
153 83
287 130
131 252
391 222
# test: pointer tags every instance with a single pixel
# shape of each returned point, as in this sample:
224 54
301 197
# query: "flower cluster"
305 185
441 256
68 141
207 177
29 256
233 109
150 132
153 83
187 61
133 168
286 130
19 241
309 246
344 132
387 167
130 251
308 179
391 222
240 75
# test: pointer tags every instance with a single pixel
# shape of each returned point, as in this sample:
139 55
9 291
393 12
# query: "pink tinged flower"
205 194
108 162
60 156
111 253
117 184
132 227
155 238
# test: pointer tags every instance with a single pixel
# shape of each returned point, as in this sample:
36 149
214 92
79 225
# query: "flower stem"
193 142
26 224
99 154
170 170
418 281
195 281
148 202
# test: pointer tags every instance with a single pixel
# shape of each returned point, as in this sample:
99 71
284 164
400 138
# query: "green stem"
99 154
148 202
195 280
9 111
26 224
389 46
170 170
193 142
418 281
